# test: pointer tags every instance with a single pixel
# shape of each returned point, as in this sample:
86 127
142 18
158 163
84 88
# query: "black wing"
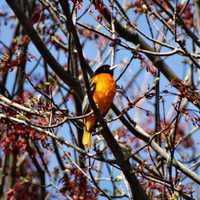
86 104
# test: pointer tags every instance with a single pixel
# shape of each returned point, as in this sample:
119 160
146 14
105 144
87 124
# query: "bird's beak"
113 67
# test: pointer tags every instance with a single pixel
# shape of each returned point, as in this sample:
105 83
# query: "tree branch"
137 190
141 134
66 77
133 37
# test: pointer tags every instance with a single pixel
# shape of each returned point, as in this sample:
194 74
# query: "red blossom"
181 137
77 3
99 6
31 57
3 13
71 186
186 15
188 142
23 190
150 68
146 63
25 40
139 6
87 33
10 194
191 115
37 14
15 140
121 132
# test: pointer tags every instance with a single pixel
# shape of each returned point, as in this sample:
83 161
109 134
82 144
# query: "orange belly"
104 91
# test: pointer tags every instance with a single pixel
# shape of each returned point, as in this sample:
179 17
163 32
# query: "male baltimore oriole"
103 89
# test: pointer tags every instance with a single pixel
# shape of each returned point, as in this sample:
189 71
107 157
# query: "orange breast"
105 90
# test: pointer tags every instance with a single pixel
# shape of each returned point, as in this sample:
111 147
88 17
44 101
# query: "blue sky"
144 81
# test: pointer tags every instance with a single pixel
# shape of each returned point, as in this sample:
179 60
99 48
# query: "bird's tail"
87 139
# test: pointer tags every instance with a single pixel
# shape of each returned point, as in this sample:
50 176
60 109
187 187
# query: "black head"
104 69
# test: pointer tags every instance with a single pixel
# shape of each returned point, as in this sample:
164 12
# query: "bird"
103 88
